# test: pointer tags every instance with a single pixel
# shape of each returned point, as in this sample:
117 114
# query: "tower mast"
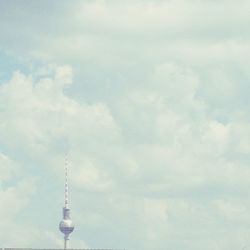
66 226
66 192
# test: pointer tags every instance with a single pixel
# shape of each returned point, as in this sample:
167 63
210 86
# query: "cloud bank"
150 100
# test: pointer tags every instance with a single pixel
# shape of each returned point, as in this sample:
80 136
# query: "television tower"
66 226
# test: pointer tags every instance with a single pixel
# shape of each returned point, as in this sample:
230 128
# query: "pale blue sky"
150 99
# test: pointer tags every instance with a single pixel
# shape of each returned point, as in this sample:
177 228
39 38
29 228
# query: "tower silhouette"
66 226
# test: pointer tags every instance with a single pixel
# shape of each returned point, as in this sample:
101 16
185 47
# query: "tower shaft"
66 242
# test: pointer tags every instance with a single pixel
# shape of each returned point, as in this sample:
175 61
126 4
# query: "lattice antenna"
66 195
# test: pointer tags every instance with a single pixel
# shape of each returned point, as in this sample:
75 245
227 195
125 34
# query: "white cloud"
163 148
87 174
14 200
27 127
155 118
33 111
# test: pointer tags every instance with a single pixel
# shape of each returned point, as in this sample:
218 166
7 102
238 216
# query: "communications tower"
66 226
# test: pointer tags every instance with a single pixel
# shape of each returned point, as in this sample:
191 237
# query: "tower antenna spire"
66 194
66 226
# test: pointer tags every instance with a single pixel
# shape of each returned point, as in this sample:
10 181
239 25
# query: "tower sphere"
66 226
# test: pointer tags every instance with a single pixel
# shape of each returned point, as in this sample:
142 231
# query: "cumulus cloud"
27 106
149 99
165 156
16 191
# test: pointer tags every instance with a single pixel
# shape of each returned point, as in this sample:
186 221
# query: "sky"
149 99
